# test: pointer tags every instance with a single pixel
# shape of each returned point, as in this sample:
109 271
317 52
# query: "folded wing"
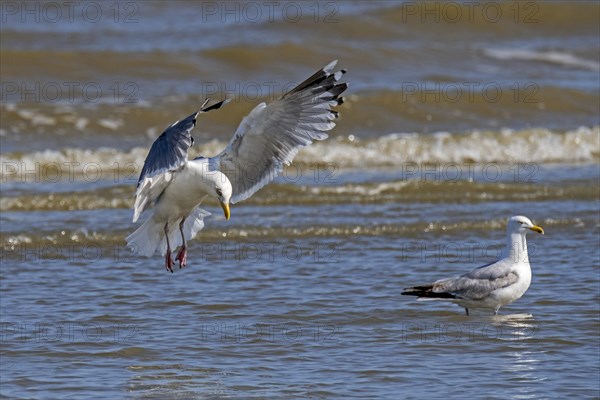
477 284
480 282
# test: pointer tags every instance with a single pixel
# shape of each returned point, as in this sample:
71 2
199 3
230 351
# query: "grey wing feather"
167 154
478 283
169 151
269 137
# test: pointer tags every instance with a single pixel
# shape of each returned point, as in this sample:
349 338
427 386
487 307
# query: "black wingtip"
411 292
426 292
214 106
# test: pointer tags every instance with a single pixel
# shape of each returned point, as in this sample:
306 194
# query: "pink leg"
182 254
182 257
168 259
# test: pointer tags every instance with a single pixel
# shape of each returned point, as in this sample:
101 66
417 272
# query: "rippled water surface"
298 295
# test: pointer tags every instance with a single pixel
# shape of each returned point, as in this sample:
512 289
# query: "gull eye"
520 222
219 192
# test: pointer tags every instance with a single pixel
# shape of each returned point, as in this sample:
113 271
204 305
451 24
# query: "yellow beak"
226 211
537 229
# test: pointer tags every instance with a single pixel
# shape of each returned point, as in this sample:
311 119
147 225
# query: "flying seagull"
493 285
266 140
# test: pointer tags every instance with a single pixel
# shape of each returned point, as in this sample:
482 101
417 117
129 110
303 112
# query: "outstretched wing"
167 155
269 137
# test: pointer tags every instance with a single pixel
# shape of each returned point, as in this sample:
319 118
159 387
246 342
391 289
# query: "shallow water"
298 295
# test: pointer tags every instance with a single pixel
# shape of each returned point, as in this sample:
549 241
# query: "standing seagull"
493 285
266 140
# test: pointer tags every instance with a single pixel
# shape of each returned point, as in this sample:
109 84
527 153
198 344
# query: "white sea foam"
554 57
531 145
537 145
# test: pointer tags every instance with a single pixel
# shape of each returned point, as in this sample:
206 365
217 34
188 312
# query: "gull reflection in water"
522 361
522 326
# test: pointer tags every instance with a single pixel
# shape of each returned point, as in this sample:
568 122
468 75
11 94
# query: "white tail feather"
433 299
145 239
150 237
